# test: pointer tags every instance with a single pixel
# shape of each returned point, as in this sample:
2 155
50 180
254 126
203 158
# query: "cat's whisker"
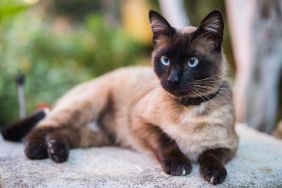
209 87
222 92
202 97
206 81
201 90
141 95
214 76
210 79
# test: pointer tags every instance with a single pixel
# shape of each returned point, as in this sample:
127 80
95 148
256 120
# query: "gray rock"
258 163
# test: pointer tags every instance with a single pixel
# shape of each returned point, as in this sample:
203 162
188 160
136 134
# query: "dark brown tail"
18 130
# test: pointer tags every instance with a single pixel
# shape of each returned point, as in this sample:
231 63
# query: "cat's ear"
211 29
160 26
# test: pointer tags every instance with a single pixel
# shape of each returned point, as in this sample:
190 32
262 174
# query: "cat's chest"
192 132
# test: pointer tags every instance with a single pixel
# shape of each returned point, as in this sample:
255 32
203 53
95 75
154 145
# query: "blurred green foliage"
10 8
54 60
74 9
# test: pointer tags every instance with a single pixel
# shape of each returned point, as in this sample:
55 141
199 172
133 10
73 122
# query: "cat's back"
119 84
130 82
135 77
126 87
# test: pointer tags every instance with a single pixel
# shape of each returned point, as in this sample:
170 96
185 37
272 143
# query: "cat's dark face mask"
188 61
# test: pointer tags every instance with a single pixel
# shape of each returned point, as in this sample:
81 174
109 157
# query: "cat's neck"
195 101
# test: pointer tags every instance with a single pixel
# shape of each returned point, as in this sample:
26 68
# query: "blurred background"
57 44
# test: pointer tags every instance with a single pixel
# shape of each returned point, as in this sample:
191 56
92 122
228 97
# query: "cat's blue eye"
165 61
193 62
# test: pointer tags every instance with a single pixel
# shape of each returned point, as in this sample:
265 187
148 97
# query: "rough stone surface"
258 164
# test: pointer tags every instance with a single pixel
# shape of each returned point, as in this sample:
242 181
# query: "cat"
180 112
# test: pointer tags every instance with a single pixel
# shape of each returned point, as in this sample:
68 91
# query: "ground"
258 163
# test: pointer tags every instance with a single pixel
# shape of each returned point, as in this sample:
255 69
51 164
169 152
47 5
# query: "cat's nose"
173 77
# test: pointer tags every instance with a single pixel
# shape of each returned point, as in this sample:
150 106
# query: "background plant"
54 60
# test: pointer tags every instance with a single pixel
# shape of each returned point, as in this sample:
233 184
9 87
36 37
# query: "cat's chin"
178 94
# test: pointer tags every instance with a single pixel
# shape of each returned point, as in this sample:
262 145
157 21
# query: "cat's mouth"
179 92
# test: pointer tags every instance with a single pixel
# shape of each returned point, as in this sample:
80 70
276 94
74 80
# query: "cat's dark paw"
35 147
214 173
177 167
58 149
36 150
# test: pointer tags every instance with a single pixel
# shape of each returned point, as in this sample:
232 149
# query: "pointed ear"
211 29
160 26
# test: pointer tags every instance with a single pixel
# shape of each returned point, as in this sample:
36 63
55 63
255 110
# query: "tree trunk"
266 65
240 14
256 31
174 11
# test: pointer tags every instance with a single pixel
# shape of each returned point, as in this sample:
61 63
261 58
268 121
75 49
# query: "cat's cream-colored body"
129 97
179 111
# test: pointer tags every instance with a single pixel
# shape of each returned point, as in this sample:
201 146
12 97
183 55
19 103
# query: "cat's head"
188 61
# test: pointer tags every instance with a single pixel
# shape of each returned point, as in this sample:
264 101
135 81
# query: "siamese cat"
180 111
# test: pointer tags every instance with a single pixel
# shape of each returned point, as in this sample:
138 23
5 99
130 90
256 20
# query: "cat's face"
188 61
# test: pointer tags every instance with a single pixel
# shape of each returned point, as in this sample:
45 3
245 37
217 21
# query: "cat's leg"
212 163
56 142
172 160
36 147
60 141
76 109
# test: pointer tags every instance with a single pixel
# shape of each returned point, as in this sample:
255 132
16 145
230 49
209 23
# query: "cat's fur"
17 130
188 117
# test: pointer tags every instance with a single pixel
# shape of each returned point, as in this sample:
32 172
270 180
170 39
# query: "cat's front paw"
58 149
35 147
36 150
214 173
177 167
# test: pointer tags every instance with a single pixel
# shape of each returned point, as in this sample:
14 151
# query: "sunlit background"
57 44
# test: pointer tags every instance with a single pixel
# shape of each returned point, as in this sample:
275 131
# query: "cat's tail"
18 130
